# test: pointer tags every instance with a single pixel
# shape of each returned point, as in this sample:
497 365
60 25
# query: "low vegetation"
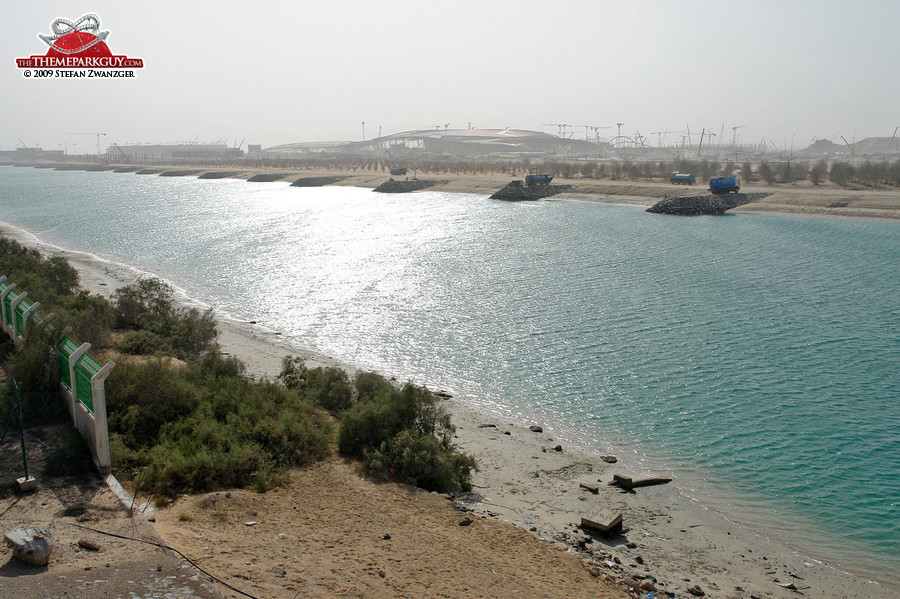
200 426
185 418
400 433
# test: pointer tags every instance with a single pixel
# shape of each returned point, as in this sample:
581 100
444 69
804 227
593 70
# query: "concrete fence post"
12 307
101 432
3 295
27 313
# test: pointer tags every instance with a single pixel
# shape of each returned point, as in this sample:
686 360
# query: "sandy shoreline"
524 480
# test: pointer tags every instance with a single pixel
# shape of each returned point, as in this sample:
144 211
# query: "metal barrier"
82 378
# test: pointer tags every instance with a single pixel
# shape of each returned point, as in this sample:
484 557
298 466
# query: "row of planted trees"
873 173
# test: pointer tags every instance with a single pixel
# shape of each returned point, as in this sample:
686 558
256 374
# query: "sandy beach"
330 533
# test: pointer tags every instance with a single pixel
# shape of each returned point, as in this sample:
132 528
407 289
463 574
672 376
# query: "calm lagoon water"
755 356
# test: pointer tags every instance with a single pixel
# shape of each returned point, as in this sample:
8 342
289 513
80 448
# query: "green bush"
421 461
144 343
369 384
403 434
147 306
203 426
34 362
45 279
327 387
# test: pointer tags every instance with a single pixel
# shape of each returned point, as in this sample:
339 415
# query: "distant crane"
852 151
734 134
641 139
596 130
561 128
96 134
893 137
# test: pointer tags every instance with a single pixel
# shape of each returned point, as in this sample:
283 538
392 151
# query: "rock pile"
316 181
408 185
708 204
518 193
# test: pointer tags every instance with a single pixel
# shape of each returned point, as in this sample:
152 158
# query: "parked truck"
682 178
544 179
720 185
398 170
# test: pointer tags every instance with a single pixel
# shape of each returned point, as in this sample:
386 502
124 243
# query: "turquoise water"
756 356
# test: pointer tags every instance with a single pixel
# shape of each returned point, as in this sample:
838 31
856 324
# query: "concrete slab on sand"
72 509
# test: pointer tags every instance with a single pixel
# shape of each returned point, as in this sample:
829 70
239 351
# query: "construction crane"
852 151
561 127
94 134
596 130
734 134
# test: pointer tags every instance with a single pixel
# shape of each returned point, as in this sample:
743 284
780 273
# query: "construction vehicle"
682 178
543 179
721 185
398 170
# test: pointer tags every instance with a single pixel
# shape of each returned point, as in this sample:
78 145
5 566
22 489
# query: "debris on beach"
630 482
31 545
606 522
589 487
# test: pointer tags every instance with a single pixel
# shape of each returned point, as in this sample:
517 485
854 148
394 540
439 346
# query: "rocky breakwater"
518 193
317 181
707 204
407 185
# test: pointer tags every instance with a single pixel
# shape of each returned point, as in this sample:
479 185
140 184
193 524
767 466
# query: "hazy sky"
274 72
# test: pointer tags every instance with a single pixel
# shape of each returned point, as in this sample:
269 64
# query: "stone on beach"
31 545
604 521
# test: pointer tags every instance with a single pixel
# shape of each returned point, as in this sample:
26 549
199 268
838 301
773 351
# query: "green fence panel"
8 301
85 368
20 316
66 348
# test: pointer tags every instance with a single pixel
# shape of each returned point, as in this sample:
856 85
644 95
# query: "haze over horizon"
271 73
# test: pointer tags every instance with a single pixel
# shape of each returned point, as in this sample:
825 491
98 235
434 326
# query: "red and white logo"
78 45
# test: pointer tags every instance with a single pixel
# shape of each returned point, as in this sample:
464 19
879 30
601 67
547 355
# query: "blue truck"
531 180
677 178
720 185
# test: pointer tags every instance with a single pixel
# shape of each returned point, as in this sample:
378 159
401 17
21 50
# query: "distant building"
31 154
174 153
453 142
